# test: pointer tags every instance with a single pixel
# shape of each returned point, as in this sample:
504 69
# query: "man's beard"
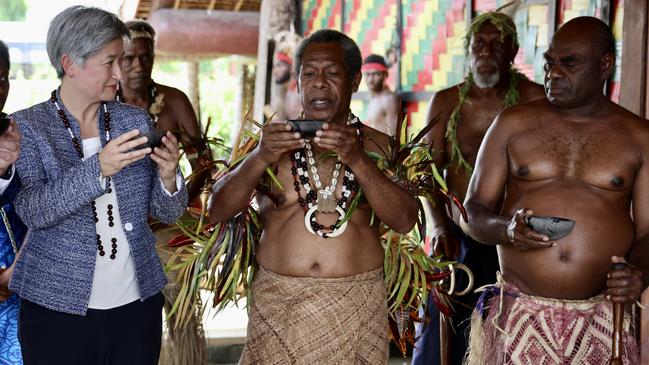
489 80
284 79
486 81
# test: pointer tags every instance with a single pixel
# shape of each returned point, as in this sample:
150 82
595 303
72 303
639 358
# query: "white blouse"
114 282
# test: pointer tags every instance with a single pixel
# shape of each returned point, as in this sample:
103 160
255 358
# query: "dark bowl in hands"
553 227
306 127
154 139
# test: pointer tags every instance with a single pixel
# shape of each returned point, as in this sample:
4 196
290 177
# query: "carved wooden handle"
618 323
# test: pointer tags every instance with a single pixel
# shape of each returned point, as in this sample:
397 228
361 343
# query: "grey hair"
81 32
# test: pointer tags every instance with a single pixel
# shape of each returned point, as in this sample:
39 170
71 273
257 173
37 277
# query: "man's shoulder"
636 123
121 109
389 95
529 90
171 93
525 108
448 95
373 137
523 116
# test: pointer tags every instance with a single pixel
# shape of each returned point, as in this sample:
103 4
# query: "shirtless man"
288 106
170 110
316 299
491 44
574 155
169 107
383 111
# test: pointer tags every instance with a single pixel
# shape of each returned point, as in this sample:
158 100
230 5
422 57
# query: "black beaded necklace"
300 172
77 147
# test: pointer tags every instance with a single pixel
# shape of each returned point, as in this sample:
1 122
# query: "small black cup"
553 227
306 127
154 139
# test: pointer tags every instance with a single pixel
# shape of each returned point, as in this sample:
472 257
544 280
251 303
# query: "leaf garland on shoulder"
512 97
220 257
410 273
217 257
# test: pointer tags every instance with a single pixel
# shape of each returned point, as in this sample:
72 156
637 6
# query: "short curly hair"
139 25
4 53
353 59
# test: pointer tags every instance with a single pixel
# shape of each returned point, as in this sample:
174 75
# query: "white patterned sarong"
513 328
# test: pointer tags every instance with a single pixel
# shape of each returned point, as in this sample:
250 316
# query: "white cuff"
179 185
4 184
102 181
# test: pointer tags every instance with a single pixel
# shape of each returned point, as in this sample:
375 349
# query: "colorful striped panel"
321 14
372 24
532 25
481 6
570 9
416 114
618 18
432 51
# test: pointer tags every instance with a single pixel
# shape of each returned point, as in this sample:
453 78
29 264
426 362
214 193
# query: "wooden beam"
633 94
407 96
606 14
399 44
297 20
552 19
191 32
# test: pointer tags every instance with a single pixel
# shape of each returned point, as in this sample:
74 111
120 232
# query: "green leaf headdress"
501 21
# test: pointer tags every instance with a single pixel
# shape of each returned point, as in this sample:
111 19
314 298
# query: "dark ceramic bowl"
154 139
553 227
306 127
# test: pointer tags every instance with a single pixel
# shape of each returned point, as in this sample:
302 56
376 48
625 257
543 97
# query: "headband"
373 66
140 34
281 56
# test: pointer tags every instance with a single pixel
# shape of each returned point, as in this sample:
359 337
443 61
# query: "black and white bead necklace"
310 203
77 147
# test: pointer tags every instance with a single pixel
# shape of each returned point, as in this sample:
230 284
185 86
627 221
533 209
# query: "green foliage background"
13 10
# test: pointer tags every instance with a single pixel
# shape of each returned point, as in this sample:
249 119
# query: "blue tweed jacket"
56 266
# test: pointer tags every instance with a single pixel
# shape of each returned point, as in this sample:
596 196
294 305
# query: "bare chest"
376 112
595 155
297 177
475 119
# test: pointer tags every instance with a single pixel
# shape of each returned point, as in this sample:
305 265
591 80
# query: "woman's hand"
166 156
118 153
5 276
9 147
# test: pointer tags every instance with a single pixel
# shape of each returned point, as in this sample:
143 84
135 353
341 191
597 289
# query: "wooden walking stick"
444 340
618 323
444 325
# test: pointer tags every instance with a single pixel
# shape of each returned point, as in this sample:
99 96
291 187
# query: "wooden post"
553 15
193 82
633 94
275 16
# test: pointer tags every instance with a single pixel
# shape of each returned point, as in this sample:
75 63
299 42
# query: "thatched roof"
145 7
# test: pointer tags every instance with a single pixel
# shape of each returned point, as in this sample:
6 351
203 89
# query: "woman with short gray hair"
89 276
